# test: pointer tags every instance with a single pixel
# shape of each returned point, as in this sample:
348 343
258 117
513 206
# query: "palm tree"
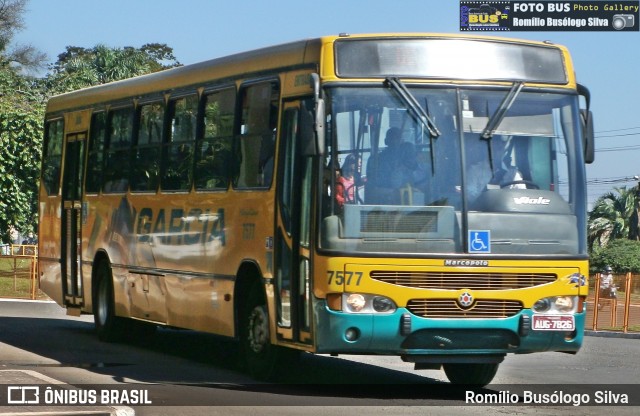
614 216
80 67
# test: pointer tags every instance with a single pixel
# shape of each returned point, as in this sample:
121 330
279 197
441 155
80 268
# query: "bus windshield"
474 171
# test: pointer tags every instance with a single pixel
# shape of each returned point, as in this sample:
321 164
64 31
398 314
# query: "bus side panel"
51 279
49 250
201 304
218 233
106 229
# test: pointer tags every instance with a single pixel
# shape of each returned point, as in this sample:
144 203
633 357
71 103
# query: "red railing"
19 271
621 313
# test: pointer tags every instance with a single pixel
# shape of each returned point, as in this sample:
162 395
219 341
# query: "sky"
608 63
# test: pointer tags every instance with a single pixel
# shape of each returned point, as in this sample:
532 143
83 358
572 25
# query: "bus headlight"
355 302
382 304
542 305
565 304
556 304
363 303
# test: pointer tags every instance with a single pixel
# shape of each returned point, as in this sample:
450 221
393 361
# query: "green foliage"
613 217
622 255
81 67
613 231
22 105
20 152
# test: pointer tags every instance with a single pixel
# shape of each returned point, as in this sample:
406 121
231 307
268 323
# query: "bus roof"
294 55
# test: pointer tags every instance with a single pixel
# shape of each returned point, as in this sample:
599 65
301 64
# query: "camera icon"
620 21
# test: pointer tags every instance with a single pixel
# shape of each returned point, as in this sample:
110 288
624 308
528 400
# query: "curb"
612 334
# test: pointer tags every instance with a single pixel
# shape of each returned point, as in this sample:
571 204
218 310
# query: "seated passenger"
346 181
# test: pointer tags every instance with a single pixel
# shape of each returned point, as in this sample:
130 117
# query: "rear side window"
52 158
118 159
148 150
97 141
183 115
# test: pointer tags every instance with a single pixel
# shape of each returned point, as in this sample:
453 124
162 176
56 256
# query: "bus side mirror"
586 117
307 135
312 122
588 136
319 126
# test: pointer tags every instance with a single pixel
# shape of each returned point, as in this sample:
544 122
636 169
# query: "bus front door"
71 224
292 238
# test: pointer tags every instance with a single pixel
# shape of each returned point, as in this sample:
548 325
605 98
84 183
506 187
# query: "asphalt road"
189 373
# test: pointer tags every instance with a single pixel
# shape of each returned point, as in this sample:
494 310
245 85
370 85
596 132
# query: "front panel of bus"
453 202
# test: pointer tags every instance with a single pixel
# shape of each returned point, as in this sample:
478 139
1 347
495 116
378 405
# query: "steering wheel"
528 184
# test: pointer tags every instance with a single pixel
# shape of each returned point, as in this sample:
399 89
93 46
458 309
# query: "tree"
21 56
79 67
22 103
622 255
613 217
21 111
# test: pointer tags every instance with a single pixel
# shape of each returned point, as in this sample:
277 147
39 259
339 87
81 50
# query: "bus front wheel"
259 354
479 374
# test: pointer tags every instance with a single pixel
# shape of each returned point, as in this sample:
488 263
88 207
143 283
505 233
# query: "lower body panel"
404 334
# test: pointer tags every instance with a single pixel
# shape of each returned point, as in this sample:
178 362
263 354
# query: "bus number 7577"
339 277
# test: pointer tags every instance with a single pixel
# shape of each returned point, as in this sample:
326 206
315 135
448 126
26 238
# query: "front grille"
459 280
398 222
449 308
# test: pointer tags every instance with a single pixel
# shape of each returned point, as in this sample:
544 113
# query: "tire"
258 354
259 357
109 327
475 374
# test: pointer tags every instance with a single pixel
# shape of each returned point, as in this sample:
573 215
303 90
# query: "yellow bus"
416 195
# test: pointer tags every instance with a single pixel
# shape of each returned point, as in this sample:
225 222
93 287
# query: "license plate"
553 323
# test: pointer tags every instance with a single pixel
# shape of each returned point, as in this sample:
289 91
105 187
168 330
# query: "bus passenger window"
214 151
257 135
146 167
52 158
118 160
95 165
182 135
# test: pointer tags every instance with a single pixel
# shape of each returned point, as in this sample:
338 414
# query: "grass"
15 278
632 328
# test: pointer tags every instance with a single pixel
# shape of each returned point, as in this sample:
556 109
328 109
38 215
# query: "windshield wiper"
413 105
505 105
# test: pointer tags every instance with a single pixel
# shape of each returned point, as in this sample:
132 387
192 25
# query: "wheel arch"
248 276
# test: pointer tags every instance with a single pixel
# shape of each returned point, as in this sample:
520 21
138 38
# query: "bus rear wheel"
479 374
108 326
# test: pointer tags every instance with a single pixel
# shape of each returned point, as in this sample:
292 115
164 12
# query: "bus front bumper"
402 333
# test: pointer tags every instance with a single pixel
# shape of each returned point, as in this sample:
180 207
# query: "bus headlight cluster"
556 304
362 303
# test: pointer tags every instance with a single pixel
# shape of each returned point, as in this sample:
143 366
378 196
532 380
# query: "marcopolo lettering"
466 263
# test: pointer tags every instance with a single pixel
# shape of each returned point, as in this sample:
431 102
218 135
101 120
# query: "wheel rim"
258 330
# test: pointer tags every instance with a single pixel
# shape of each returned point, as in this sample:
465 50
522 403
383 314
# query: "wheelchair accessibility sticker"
479 241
